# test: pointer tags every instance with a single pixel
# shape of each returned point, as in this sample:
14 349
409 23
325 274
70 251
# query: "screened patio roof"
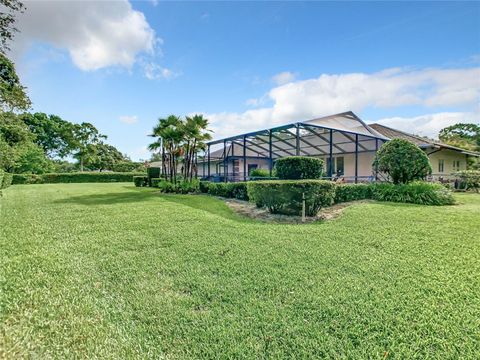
336 134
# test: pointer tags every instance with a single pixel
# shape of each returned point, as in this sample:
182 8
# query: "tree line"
36 142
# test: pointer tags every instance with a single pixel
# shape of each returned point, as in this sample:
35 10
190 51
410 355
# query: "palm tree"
196 134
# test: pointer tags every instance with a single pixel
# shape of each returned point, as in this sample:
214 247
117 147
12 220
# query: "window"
456 165
340 165
441 164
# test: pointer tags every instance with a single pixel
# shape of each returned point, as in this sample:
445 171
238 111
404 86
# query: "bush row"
78 177
182 187
418 192
237 190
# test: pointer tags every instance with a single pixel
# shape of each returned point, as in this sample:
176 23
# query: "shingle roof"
420 141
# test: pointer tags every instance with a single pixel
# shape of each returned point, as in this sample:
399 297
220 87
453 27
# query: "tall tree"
12 94
196 133
7 22
103 157
85 136
466 136
52 133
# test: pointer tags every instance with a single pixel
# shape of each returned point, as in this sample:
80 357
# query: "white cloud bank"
334 93
96 34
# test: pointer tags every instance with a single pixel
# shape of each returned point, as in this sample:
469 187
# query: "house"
345 143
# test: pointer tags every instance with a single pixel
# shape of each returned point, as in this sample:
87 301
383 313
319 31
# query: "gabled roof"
417 140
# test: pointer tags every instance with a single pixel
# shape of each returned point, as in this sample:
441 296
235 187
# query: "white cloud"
283 78
430 124
334 93
97 34
154 71
129 119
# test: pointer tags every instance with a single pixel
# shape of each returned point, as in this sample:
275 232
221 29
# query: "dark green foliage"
152 173
285 197
79 177
352 192
203 186
259 173
402 161
13 95
470 179
298 167
417 192
182 187
237 190
140 181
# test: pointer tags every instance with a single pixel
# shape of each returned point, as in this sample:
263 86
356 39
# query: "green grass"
113 271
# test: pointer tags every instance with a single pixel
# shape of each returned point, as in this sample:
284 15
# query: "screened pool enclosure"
345 143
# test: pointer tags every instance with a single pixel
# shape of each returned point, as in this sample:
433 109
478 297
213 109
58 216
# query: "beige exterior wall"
448 157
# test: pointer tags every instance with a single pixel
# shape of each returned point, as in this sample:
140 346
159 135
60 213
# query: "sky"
247 66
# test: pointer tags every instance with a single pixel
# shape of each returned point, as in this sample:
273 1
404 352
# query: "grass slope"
112 271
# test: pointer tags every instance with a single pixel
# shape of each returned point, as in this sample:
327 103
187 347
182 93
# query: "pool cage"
345 142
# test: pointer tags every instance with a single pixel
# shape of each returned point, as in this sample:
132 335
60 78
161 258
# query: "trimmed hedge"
183 187
141 180
7 180
285 197
298 167
352 192
77 177
417 192
236 190
153 173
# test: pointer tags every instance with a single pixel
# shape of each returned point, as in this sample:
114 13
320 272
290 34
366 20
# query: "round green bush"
298 167
402 161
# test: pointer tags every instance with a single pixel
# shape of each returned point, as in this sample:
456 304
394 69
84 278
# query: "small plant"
402 161
299 167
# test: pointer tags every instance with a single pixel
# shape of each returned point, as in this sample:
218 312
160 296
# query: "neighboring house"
445 159
345 143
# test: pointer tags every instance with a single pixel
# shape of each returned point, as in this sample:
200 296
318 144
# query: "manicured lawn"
111 271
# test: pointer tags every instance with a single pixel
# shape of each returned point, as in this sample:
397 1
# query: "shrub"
298 167
152 173
471 179
203 186
166 186
402 161
154 181
285 197
352 192
236 190
78 177
417 192
259 173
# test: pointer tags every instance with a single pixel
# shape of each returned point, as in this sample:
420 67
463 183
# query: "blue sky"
247 66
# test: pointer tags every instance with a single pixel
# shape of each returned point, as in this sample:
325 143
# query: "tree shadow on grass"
206 203
109 198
